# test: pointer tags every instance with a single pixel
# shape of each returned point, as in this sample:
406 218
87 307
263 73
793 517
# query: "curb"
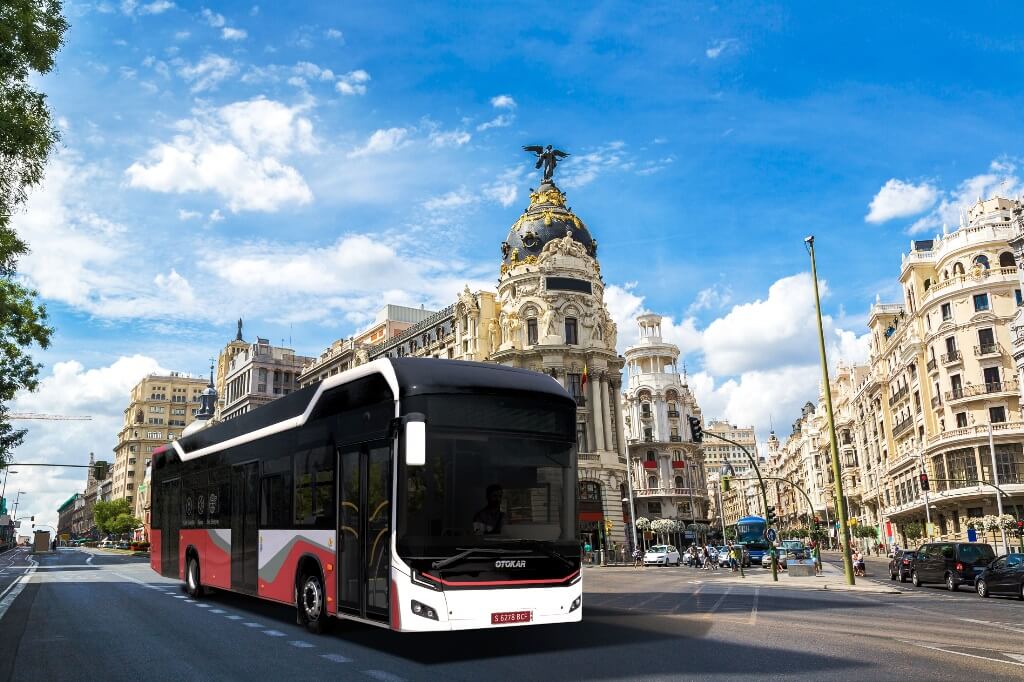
875 589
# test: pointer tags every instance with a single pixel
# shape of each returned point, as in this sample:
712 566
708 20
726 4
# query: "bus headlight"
576 603
423 610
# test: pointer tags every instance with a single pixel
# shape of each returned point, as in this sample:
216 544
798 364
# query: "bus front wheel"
192 583
312 604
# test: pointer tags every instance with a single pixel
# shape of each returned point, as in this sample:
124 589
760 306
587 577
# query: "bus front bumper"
490 608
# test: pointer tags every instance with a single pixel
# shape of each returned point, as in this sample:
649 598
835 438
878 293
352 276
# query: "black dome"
546 219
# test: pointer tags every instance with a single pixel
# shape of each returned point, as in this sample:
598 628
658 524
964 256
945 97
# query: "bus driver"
488 521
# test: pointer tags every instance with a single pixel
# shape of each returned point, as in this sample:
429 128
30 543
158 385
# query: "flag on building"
583 379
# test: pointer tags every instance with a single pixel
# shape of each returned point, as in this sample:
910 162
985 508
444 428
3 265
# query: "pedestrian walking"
638 558
816 553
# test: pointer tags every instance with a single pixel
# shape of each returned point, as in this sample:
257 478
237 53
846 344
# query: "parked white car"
661 555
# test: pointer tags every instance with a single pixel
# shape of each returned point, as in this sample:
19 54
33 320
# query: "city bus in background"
413 494
750 532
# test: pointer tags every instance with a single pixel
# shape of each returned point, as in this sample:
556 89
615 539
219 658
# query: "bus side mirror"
415 440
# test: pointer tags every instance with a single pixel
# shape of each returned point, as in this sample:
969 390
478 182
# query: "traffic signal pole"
837 473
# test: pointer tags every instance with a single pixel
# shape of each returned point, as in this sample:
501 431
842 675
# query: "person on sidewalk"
816 553
638 558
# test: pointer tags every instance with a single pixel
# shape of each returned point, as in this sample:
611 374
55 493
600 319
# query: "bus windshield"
750 531
486 489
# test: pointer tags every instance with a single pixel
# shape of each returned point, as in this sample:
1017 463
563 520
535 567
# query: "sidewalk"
831 578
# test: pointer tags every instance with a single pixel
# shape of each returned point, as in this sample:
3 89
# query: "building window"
677 456
947 311
650 455
154 434
645 410
531 331
1006 260
980 302
1017 297
997 415
574 385
961 420
679 482
649 435
652 482
982 261
571 338
581 437
958 269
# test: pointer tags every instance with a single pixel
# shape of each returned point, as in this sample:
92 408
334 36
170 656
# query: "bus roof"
750 519
404 377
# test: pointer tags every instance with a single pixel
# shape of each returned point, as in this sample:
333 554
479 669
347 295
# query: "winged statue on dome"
546 157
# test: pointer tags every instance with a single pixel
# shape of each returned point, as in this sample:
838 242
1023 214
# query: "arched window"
981 260
652 482
945 274
958 269
1006 260
927 284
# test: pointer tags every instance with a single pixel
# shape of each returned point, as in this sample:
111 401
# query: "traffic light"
100 470
924 481
696 432
725 484
770 516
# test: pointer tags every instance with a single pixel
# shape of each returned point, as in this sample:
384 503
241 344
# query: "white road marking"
15 588
233 617
217 611
383 675
336 658
273 633
753 609
202 606
961 653
252 625
301 645
995 625
719 602
1016 657
89 560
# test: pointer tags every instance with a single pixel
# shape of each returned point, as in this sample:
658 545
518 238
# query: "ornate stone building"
258 374
667 466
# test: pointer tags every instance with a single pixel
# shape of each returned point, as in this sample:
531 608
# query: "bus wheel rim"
312 599
192 574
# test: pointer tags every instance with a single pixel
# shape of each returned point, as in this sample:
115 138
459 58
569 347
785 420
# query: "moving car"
1005 575
661 555
952 563
900 565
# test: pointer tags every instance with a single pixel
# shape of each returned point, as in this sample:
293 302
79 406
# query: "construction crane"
50 417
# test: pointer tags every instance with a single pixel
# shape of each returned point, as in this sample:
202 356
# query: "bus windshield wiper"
540 546
465 552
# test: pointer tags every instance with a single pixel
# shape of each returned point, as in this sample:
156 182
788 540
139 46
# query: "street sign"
771 535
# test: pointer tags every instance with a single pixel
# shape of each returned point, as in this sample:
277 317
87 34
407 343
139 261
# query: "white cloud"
381 142
500 121
1001 179
212 18
453 199
71 388
711 298
229 33
334 34
720 47
353 82
208 72
188 215
235 151
181 35
505 188
450 138
215 216
899 199
581 169
503 102
157 7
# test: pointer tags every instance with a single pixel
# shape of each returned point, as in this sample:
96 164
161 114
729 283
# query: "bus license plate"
506 617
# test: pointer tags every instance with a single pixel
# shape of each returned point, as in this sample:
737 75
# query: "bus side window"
314 487
276 488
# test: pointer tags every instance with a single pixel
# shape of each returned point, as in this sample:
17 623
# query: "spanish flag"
583 380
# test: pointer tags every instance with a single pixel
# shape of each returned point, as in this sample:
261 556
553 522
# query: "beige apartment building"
159 408
258 374
718 452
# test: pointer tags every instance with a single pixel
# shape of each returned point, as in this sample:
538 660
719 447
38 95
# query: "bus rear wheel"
311 603
193 585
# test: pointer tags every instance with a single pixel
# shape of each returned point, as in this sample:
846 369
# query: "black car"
1005 575
901 564
952 563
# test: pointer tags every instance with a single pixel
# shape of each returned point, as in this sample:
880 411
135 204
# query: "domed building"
552 318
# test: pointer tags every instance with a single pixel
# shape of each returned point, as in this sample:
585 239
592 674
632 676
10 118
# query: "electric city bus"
750 532
413 494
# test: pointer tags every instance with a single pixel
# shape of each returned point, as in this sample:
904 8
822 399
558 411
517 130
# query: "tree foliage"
114 517
913 531
31 32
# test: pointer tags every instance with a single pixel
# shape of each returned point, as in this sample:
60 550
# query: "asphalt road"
84 614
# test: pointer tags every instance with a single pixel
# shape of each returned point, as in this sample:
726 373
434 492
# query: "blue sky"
298 164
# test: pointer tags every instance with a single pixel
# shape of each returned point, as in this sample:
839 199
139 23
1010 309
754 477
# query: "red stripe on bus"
491 583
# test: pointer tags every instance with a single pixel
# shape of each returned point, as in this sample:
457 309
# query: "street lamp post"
17 499
927 511
844 528
995 479
7 472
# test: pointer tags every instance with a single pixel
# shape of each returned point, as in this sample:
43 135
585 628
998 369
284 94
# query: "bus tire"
312 602
193 582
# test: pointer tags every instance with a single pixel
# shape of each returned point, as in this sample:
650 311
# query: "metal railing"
675 439
652 492
898 395
951 357
976 431
902 426
673 414
932 365
972 391
987 349
936 401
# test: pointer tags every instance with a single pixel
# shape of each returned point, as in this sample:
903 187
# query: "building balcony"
675 439
678 464
963 281
673 414
588 457
932 365
987 350
953 357
650 464
647 416
898 395
936 401
979 432
978 390
671 492
902 426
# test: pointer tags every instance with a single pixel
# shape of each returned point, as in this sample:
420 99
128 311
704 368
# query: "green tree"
913 531
31 32
114 517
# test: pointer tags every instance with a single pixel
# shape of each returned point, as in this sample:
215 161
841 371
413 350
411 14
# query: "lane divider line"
719 602
753 609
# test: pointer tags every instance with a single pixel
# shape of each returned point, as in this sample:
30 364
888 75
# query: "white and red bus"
413 494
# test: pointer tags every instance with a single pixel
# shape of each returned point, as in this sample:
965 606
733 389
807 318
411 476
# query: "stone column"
596 411
606 415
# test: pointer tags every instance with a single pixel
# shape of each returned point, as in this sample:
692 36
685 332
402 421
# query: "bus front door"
364 529
245 480
170 512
